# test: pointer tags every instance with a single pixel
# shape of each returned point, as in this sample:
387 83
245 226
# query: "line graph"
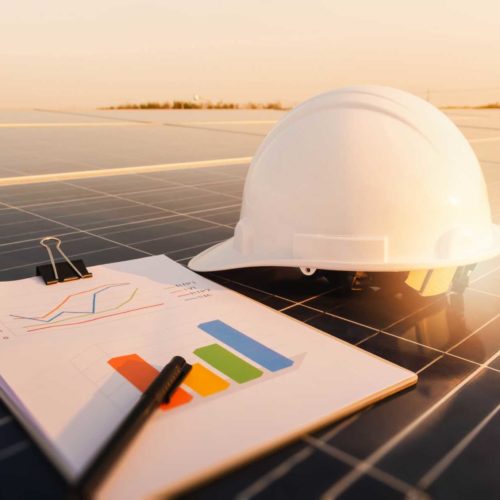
96 319
87 306
92 311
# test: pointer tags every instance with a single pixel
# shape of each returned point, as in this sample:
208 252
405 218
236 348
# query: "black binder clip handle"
62 271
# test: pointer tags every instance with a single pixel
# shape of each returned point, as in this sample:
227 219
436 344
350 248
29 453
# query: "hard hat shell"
362 178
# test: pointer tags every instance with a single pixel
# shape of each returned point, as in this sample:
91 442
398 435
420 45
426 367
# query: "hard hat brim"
220 257
223 256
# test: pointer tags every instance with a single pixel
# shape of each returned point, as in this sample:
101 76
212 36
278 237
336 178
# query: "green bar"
228 363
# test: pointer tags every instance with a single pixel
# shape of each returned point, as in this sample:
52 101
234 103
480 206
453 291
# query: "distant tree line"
198 105
491 105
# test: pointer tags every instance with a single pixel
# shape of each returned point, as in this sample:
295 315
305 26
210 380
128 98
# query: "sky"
66 54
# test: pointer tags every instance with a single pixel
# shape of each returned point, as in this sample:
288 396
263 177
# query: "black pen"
158 392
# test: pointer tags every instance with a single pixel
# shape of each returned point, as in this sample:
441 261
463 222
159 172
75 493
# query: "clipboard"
79 356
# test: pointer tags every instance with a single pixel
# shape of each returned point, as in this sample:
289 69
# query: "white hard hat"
363 178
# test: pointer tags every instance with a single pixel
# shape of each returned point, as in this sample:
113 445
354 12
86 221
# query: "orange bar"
179 397
137 371
140 374
205 382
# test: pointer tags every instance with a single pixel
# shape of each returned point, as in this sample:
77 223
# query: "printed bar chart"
140 374
261 354
204 382
201 380
228 363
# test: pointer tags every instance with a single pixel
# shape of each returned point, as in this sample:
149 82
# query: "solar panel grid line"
227 179
100 211
141 221
305 303
483 365
250 287
382 331
215 191
430 363
191 199
117 221
5 420
437 469
164 209
343 484
32 245
375 331
16 223
481 276
362 341
478 290
349 320
429 303
263 482
218 208
31 265
93 252
384 477
34 238
164 124
477 330
169 186
54 203
184 233
165 189
209 212
72 201
13 449
204 188
163 222
82 230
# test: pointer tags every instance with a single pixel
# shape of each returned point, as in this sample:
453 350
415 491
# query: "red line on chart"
96 319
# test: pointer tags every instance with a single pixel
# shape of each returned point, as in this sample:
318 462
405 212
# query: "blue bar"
245 345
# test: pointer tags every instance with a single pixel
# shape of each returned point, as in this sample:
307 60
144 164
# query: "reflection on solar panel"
425 440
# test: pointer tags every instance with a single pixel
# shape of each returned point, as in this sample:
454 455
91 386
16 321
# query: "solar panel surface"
438 440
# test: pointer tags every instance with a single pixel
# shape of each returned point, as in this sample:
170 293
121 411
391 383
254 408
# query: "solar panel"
437 439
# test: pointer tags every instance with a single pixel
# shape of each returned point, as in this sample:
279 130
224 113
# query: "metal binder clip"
62 271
